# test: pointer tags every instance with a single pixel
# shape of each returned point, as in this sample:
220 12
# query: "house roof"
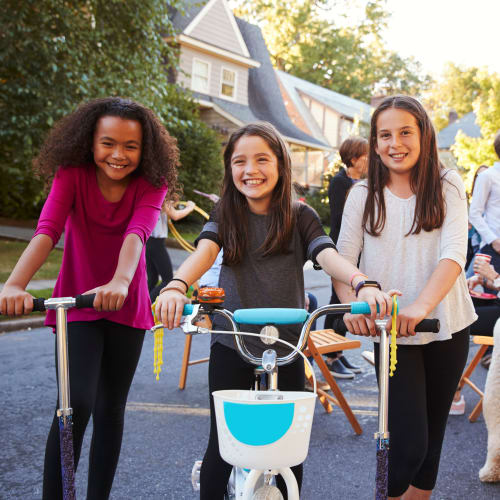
264 95
346 106
467 124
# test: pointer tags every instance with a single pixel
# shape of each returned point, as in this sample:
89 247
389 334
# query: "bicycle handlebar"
80 302
426 325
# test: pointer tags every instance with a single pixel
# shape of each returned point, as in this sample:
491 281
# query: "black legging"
102 357
420 395
228 371
488 312
158 264
330 320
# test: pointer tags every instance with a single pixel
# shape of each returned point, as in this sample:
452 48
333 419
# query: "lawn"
12 250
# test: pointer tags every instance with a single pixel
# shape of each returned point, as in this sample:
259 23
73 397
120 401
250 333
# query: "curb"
21 324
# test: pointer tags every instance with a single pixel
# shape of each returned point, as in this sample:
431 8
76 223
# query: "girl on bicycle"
111 162
266 241
408 221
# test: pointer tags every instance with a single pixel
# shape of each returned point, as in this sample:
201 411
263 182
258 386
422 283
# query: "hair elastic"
182 281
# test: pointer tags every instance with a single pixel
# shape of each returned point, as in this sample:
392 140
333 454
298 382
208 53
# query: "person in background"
484 212
474 240
158 263
354 155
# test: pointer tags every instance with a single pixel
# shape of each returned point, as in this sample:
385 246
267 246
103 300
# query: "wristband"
357 273
182 281
172 288
364 283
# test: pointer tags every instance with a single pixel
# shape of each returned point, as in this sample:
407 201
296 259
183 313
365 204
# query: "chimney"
452 117
376 100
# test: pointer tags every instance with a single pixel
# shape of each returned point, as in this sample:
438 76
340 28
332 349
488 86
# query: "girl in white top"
408 224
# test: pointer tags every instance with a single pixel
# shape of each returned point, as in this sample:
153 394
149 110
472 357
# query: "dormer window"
200 76
228 83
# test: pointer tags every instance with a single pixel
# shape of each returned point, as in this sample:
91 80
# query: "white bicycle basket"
261 433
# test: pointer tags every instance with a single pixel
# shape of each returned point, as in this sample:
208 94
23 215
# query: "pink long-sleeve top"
95 229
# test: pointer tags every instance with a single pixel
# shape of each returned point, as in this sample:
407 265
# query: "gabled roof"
467 124
346 106
264 95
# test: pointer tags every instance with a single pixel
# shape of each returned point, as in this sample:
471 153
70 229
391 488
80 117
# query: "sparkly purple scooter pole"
65 412
382 436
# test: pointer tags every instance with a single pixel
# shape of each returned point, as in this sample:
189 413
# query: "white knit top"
407 262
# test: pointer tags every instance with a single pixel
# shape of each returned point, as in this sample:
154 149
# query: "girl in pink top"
110 161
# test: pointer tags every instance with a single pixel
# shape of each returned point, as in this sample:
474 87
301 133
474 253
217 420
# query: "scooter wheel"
267 492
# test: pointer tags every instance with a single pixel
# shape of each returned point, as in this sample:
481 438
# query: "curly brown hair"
70 142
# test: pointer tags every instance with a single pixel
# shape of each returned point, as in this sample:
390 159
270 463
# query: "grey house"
446 137
224 61
326 115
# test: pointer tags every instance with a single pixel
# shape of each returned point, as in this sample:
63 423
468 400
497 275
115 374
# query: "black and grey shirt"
272 281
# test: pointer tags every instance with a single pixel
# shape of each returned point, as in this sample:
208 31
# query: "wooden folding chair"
484 342
186 363
322 342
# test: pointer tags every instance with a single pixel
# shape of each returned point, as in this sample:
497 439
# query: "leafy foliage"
323 43
472 152
57 53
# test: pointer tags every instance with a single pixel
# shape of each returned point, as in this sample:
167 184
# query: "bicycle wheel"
267 492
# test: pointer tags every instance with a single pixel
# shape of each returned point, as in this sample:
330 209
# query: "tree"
472 152
57 53
319 42
455 91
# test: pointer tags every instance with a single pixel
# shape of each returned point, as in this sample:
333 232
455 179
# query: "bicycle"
244 443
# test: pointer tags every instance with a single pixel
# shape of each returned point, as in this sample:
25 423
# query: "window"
228 84
200 76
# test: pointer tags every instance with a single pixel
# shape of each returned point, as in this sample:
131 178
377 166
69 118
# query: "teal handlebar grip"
363 308
266 316
188 309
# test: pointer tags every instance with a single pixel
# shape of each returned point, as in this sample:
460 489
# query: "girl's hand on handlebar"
169 307
15 301
374 296
359 324
407 318
109 297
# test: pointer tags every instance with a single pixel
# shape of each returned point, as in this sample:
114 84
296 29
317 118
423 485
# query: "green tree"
57 53
322 42
472 152
456 90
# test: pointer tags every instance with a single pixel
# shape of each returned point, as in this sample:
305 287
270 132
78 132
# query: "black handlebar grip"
85 301
426 325
39 304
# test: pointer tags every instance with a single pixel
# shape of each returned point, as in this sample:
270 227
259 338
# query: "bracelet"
182 281
357 273
171 288
364 283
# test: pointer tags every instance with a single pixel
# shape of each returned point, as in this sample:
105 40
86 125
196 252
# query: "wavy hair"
425 177
232 209
70 141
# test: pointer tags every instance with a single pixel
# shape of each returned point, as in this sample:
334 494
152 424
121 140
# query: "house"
446 137
224 61
326 115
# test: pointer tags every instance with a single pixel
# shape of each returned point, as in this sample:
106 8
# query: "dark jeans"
227 370
102 357
495 262
158 264
488 312
420 395
330 323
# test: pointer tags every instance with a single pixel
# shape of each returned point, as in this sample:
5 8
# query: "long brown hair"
425 178
232 209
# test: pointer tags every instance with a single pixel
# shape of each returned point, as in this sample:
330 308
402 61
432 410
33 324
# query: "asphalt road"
166 429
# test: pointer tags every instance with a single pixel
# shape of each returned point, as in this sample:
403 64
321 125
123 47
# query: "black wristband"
182 281
364 283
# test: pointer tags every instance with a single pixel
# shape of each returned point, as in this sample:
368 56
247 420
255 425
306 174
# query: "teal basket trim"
258 424
268 316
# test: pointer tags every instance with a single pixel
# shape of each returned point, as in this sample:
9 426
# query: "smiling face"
398 141
255 172
117 149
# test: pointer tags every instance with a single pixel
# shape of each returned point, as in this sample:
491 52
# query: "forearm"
341 271
177 214
439 284
198 263
31 260
130 253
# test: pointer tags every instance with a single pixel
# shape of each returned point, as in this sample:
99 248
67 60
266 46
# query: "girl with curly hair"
110 163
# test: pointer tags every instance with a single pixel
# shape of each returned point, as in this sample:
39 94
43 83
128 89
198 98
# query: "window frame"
203 61
223 96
